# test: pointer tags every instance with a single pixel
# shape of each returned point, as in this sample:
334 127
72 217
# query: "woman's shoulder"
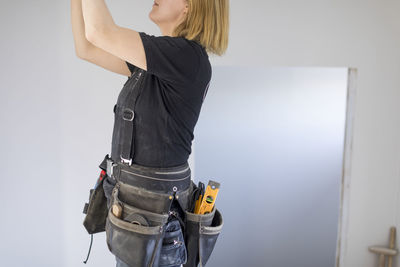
174 40
169 56
165 39
196 47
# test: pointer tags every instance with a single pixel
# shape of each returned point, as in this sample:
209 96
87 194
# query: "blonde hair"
207 22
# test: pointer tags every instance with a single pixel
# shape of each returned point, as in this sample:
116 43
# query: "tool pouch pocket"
135 235
201 234
96 210
144 199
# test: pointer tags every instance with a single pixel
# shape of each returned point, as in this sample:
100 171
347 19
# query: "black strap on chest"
128 115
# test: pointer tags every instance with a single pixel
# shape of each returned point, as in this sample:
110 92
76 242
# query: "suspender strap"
127 119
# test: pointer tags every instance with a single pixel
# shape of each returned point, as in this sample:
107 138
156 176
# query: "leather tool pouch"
140 237
96 209
201 234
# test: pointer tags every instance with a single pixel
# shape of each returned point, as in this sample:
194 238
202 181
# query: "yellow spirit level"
208 201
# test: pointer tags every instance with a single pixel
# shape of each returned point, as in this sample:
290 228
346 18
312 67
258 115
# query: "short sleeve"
173 59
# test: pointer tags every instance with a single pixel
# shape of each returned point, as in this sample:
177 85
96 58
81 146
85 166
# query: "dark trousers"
123 264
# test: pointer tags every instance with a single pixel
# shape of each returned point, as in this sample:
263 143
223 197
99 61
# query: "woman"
159 105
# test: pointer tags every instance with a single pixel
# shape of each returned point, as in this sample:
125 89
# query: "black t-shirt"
167 109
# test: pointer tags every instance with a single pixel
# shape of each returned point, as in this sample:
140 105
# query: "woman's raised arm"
89 52
78 28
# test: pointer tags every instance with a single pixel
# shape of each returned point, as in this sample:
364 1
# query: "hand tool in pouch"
117 210
199 196
194 197
208 201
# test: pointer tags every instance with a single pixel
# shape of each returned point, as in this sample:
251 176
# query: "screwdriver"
198 201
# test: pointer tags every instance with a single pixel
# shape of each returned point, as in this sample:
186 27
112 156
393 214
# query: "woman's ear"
186 7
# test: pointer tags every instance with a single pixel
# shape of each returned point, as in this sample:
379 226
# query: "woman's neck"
167 30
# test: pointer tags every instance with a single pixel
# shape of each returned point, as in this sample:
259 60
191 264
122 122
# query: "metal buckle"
128 114
110 168
129 161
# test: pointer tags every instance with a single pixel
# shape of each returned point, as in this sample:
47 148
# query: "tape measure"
208 201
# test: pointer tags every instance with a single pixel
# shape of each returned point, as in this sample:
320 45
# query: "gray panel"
273 138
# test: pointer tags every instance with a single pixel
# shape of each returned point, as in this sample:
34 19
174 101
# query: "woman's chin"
152 18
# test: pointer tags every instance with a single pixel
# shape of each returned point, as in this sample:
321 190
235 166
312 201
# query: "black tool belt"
147 219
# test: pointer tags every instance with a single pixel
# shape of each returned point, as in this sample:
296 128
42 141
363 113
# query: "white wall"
32 219
359 34
43 84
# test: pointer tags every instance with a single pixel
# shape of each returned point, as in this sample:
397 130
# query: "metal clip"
110 167
172 212
129 161
177 242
